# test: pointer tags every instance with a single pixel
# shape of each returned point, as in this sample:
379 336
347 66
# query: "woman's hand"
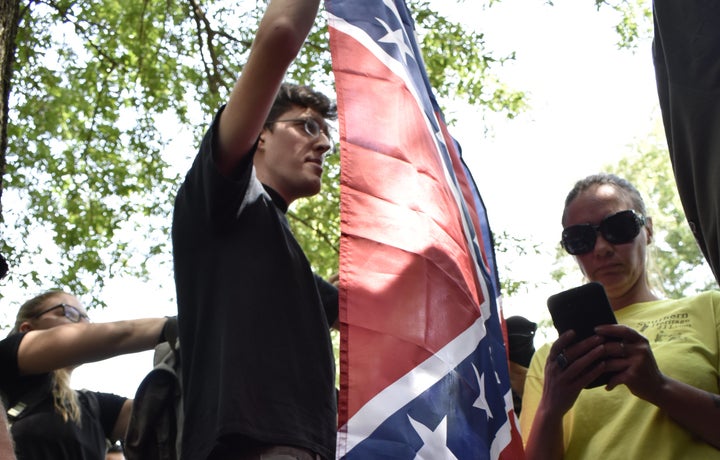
629 356
569 368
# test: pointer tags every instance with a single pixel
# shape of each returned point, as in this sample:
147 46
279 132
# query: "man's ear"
261 139
25 326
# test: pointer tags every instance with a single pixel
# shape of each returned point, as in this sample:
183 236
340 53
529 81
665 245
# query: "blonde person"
662 401
52 336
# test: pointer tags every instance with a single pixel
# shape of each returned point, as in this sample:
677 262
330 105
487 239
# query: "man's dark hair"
291 95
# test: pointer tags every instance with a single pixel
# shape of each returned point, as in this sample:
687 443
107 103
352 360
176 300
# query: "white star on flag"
435 441
396 37
481 401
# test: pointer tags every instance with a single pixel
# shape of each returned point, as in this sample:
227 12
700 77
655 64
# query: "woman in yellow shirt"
662 401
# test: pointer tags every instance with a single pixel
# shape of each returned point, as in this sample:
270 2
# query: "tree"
93 85
634 19
9 11
676 265
507 244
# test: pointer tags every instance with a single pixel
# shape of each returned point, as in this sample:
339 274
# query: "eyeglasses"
619 228
70 312
312 128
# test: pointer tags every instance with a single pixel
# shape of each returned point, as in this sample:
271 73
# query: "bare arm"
545 440
74 344
123 420
280 36
696 410
561 387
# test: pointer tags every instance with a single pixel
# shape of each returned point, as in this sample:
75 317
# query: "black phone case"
582 309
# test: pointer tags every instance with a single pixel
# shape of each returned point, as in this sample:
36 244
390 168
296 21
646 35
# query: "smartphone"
582 309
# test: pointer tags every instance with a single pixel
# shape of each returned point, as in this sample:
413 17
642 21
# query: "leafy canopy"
101 88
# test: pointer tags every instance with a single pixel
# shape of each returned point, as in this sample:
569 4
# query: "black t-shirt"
256 351
41 433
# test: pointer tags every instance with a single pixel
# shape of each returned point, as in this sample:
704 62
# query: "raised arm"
280 36
73 344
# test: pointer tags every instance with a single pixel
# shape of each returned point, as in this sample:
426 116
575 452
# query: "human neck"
640 293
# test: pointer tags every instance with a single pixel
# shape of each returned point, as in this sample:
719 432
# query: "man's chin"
312 189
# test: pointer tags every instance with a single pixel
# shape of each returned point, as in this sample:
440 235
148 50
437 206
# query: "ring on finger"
562 360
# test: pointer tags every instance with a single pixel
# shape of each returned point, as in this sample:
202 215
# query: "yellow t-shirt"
605 425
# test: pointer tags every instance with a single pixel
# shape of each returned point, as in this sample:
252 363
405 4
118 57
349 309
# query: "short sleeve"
109 406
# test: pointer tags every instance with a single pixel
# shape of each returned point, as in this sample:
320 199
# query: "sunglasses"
312 128
70 312
619 228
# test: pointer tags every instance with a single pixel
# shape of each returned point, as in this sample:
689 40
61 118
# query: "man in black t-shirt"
686 51
258 368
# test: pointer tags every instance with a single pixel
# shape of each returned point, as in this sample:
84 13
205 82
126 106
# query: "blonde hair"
65 400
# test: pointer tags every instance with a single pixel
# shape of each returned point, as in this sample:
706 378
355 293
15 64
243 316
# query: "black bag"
155 428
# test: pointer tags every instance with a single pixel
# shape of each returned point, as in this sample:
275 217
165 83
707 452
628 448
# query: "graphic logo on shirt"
673 327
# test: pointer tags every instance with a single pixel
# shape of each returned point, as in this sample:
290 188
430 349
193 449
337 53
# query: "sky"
589 102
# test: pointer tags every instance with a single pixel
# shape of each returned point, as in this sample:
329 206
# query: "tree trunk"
9 11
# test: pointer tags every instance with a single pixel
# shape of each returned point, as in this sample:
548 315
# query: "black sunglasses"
70 312
619 228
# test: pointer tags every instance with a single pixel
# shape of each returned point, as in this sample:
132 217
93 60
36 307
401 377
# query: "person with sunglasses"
53 335
258 368
663 398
